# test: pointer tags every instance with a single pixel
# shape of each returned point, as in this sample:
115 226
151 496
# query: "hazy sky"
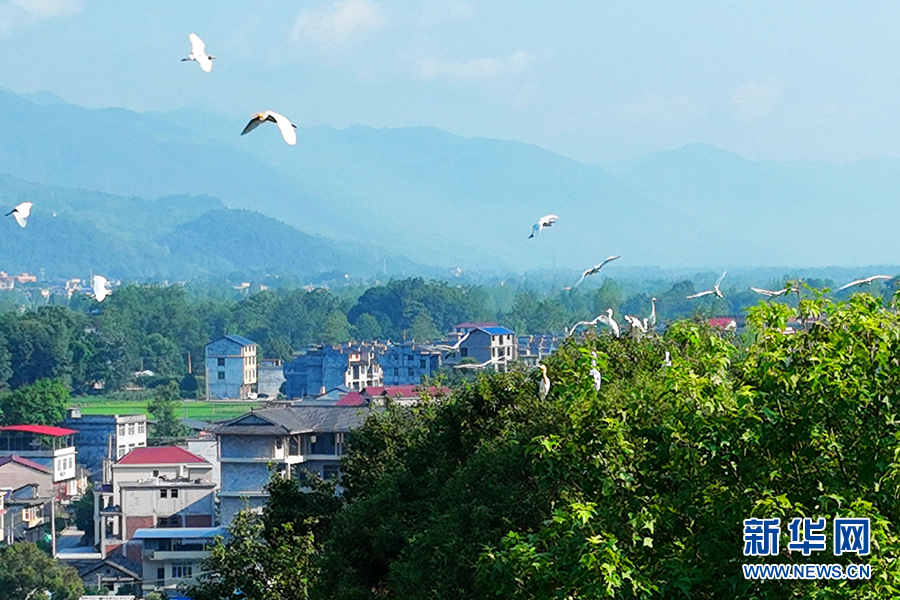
591 80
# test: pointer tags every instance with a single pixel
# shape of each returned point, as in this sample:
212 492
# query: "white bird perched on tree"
635 327
598 378
715 289
596 268
852 283
608 320
21 212
652 320
98 285
668 360
546 221
284 125
198 53
544 385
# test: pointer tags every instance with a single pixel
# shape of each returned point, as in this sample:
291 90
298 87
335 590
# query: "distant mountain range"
423 194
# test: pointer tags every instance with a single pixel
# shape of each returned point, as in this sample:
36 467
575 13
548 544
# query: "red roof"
403 391
24 462
40 429
721 322
159 455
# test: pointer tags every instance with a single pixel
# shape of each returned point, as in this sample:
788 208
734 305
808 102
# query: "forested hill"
72 232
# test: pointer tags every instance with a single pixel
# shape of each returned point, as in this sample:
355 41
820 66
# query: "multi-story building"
173 557
408 363
324 367
51 447
26 511
403 395
496 344
270 377
294 438
231 367
532 349
164 486
105 436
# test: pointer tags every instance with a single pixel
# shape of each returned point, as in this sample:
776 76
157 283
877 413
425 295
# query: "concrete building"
51 447
354 365
295 438
163 486
496 344
105 436
532 349
173 557
270 377
25 514
231 367
408 363
404 395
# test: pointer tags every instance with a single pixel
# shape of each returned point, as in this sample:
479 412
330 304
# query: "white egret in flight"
98 284
284 125
852 283
480 365
771 293
198 53
596 268
21 212
544 385
546 221
715 289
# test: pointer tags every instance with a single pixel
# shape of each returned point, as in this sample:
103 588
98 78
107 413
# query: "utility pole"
53 524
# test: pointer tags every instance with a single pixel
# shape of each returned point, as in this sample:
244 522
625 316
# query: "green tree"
163 408
27 573
367 327
256 563
42 403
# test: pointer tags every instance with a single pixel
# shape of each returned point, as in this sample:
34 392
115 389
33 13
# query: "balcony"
176 554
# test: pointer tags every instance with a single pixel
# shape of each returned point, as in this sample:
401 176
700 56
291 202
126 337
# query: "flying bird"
546 221
843 287
21 212
198 53
544 385
480 365
596 268
284 125
715 289
770 293
98 284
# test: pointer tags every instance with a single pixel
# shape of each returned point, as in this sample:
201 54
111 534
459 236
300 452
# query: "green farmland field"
192 409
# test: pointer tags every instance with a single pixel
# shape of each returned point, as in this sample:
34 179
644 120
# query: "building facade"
51 447
231 367
105 436
324 367
173 557
292 439
496 344
163 486
408 363
270 377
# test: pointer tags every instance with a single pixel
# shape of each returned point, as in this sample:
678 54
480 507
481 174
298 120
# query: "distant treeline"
155 327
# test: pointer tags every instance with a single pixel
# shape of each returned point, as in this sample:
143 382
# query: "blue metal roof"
178 533
497 330
239 339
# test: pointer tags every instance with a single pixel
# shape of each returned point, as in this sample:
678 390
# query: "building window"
422 364
121 452
396 372
121 430
221 375
330 472
410 372
463 352
221 362
131 429
172 521
130 447
180 571
156 472
140 428
174 493
163 493
161 576
294 446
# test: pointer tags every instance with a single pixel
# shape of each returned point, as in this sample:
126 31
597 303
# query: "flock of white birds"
100 285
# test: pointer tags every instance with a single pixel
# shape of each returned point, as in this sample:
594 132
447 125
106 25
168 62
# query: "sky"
591 80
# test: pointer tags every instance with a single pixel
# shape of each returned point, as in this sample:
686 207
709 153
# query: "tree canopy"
27 573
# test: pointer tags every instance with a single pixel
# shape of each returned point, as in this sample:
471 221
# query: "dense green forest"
155 327
637 489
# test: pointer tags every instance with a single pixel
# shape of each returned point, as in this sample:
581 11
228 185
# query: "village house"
231 368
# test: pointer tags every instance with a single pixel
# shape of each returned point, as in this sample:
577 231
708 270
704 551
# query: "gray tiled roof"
294 419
